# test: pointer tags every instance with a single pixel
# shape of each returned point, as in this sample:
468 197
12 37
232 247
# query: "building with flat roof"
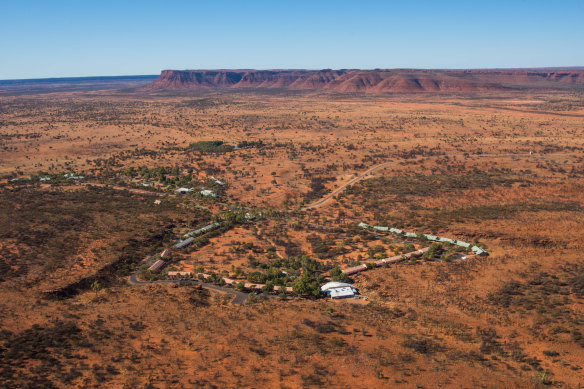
338 290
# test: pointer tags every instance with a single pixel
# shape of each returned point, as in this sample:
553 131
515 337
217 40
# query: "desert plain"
90 188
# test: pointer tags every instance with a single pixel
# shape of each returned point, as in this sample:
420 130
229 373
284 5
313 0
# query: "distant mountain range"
375 81
344 80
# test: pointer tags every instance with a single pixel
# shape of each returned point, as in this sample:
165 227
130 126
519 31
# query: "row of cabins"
201 230
202 192
475 249
181 275
183 243
69 176
189 237
381 262
159 263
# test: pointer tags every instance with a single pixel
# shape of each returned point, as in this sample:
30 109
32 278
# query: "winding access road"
238 297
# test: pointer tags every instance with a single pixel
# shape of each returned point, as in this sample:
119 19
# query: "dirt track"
354 180
325 199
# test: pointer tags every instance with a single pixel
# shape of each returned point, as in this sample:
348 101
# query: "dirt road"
325 199
342 188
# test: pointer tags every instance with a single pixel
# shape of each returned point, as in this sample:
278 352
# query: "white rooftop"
217 181
333 285
207 192
342 292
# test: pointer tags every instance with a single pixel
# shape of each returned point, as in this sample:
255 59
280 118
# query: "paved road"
238 297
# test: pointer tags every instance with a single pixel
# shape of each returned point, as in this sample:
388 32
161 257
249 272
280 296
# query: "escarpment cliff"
376 81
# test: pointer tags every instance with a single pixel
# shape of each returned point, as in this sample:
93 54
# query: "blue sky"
87 38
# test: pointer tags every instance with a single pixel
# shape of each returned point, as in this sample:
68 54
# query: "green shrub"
338 275
213 146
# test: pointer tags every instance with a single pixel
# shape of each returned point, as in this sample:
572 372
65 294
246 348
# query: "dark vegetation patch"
324 248
380 195
48 348
212 146
431 185
549 298
46 230
317 188
131 254
434 219
202 103
55 354
199 297
577 281
324 327
503 211
543 292
423 345
490 343
287 272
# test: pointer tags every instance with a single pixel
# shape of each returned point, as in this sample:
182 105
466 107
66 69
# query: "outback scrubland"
88 190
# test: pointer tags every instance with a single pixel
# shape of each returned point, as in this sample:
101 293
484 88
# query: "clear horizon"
71 39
